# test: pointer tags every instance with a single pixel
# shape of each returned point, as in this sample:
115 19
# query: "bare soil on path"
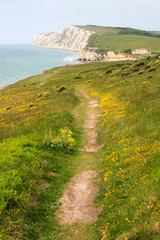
77 200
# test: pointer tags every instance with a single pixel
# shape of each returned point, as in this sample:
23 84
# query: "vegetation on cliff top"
33 174
120 39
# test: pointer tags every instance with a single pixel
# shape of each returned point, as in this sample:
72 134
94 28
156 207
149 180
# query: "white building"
93 48
140 51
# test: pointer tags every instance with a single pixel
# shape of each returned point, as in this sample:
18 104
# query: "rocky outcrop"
69 38
86 56
89 56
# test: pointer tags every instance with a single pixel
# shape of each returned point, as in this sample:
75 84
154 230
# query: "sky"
20 20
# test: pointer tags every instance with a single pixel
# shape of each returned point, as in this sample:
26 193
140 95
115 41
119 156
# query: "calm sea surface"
20 61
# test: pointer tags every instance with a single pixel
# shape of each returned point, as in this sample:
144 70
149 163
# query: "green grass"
119 43
120 30
101 30
27 165
33 175
130 132
121 39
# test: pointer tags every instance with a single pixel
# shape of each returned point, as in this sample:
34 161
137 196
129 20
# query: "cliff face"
86 56
69 38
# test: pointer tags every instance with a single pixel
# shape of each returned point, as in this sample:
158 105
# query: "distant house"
93 48
140 51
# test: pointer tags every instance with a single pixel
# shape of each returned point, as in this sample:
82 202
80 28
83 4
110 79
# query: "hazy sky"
21 19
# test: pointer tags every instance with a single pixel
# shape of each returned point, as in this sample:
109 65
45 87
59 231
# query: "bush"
135 69
139 64
108 71
63 140
128 51
152 69
62 89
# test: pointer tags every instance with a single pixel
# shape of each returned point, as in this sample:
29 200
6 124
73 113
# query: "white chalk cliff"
69 38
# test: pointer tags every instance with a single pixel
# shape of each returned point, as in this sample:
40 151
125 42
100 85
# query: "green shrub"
139 64
62 89
135 69
128 51
152 69
63 140
108 71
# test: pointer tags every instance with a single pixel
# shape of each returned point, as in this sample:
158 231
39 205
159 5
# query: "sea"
19 61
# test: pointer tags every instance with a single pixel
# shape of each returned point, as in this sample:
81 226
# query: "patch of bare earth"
77 201
78 198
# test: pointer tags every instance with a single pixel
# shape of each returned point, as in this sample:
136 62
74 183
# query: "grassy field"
34 171
109 38
120 43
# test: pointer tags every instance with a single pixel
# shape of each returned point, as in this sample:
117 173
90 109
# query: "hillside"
122 39
77 38
120 43
99 118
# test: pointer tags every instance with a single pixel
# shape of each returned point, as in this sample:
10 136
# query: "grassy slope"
28 168
109 38
130 130
34 176
124 42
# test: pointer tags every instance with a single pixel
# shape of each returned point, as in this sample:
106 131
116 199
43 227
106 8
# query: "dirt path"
78 198
77 201
90 126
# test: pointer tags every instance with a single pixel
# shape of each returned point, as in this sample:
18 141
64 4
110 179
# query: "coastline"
20 61
61 49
